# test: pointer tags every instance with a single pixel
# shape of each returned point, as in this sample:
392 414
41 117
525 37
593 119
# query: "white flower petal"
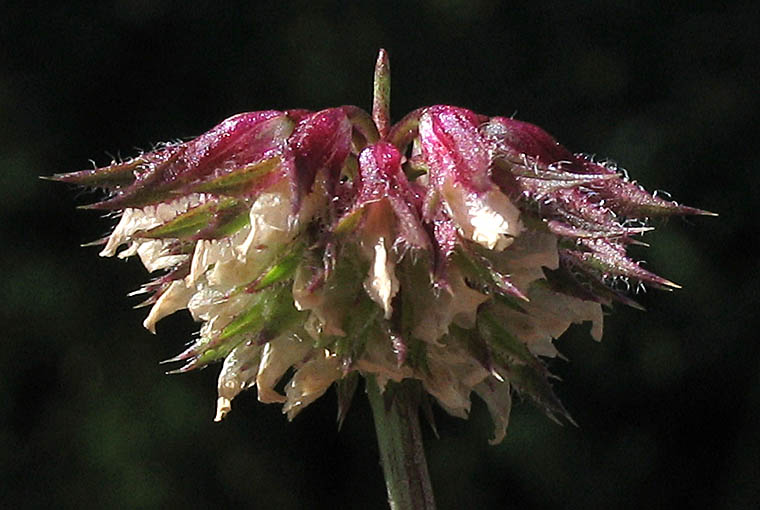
489 218
379 359
156 254
450 393
310 382
238 373
271 221
121 233
278 356
135 220
547 317
130 250
460 306
174 298
381 283
526 257
325 319
217 309
496 394
204 302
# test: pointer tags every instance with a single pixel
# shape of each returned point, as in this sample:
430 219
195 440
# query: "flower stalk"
396 410
397 424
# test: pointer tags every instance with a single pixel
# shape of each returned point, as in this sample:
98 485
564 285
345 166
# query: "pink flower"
451 247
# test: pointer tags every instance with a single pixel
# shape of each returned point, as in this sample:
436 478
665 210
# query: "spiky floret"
452 248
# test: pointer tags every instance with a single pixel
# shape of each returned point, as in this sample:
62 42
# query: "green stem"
402 456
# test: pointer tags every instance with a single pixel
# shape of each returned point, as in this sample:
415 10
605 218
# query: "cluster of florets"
451 250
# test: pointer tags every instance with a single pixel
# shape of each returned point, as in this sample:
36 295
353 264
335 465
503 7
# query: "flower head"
451 247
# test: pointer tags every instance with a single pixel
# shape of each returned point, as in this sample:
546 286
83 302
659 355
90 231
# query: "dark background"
668 404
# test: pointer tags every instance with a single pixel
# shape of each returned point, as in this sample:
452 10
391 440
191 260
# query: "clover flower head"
452 248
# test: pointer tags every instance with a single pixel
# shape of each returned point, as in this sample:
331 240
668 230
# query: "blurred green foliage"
668 404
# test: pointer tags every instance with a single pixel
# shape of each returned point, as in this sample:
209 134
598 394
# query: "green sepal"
273 310
343 291
573 178
509 302
362 125
608 259
135 197
381 94
473 342
483 272
110 177
413 273
270 315
240 182
346 277
349 222
226 222
416 355
346 389
414 168
582 284
533 382
525 372
404 131
350 167
502 343
226 214
360 325
284 268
